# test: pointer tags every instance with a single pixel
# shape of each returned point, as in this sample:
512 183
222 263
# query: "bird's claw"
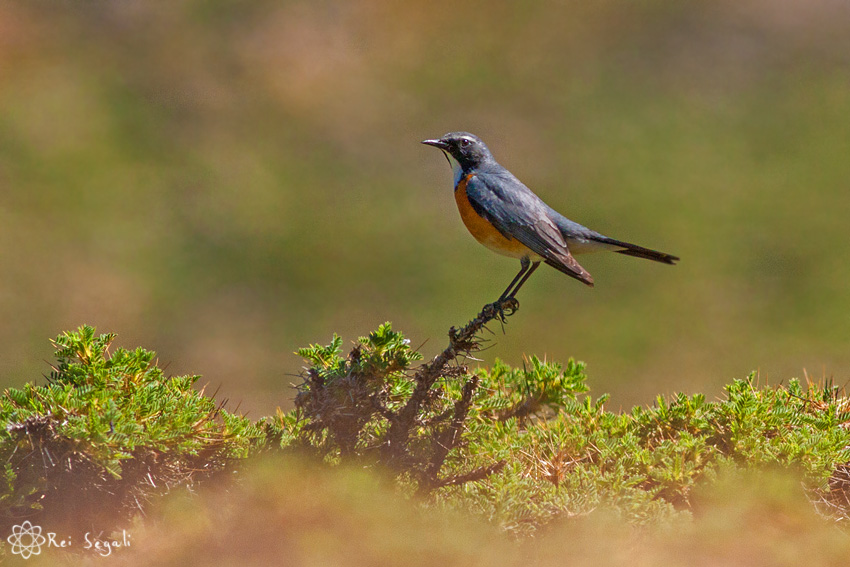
501 309
510 303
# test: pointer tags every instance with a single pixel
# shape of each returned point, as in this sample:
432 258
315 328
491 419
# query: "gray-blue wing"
518 213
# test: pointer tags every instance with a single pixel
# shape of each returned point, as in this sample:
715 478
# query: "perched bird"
507 217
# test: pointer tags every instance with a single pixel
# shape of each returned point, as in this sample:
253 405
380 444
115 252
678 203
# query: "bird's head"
466 149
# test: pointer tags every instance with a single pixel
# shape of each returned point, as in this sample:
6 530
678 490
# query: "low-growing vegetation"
106 433
539 447
522 448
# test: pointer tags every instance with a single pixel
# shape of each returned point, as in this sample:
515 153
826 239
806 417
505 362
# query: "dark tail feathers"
640 251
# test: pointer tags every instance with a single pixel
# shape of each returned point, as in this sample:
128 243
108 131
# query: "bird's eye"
464 143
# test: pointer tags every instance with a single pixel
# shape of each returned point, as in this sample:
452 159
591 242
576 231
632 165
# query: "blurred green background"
224 182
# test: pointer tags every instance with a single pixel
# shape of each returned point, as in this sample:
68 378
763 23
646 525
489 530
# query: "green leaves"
538 386
522 446
647 462
382 353
564 453
343 403
101 411
325 360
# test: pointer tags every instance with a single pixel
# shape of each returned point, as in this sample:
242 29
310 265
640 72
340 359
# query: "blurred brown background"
224 182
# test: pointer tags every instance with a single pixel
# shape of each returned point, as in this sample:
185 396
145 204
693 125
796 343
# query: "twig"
473 475
447 439
461 342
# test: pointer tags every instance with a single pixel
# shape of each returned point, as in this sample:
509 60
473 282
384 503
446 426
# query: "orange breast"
483 231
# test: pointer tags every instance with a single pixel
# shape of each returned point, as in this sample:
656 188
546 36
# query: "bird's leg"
510 302
525 277
507 299
524 265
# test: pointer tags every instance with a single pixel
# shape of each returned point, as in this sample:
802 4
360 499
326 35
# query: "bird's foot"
501 309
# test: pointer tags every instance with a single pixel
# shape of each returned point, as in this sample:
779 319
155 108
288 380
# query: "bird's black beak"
437 144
